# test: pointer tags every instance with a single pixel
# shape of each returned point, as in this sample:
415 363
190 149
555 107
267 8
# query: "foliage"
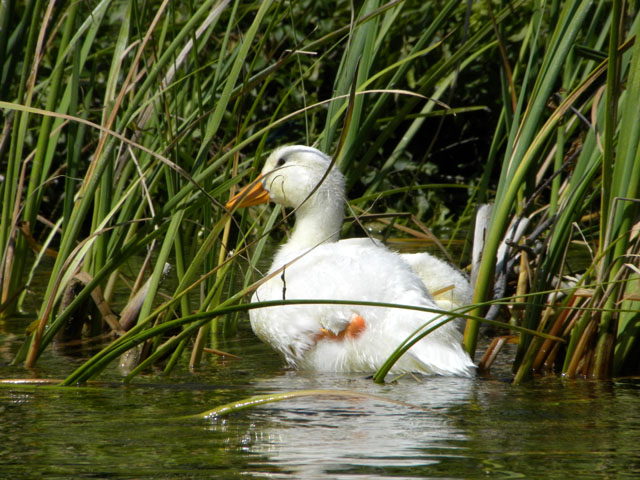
127 125
564 158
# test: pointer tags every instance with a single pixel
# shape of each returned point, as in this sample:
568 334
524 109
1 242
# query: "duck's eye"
281 161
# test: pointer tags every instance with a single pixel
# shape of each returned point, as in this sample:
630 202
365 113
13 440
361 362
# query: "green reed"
126 126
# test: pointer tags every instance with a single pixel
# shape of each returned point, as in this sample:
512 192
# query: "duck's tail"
441 353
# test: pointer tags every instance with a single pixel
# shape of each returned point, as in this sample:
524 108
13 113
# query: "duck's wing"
353 269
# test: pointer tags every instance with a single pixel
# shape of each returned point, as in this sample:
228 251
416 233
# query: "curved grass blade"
257 400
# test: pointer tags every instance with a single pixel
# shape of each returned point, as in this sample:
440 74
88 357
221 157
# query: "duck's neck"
316 223
316 226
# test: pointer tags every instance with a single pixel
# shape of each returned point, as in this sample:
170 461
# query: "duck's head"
290 177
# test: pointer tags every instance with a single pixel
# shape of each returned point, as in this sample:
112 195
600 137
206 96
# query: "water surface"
467 428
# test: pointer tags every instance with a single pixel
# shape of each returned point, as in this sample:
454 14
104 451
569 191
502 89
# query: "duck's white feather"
450 287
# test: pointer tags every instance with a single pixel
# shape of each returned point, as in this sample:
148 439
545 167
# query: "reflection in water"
315 437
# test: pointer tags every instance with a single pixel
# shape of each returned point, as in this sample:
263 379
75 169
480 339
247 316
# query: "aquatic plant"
125 126
570 173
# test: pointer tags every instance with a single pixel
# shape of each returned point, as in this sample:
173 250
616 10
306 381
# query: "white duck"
340 338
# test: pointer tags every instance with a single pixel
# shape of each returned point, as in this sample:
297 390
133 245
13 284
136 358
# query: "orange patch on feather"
353 330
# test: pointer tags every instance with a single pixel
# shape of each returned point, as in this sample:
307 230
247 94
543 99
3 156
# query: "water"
467 428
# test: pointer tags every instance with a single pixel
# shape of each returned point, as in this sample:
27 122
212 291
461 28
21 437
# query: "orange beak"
252 194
